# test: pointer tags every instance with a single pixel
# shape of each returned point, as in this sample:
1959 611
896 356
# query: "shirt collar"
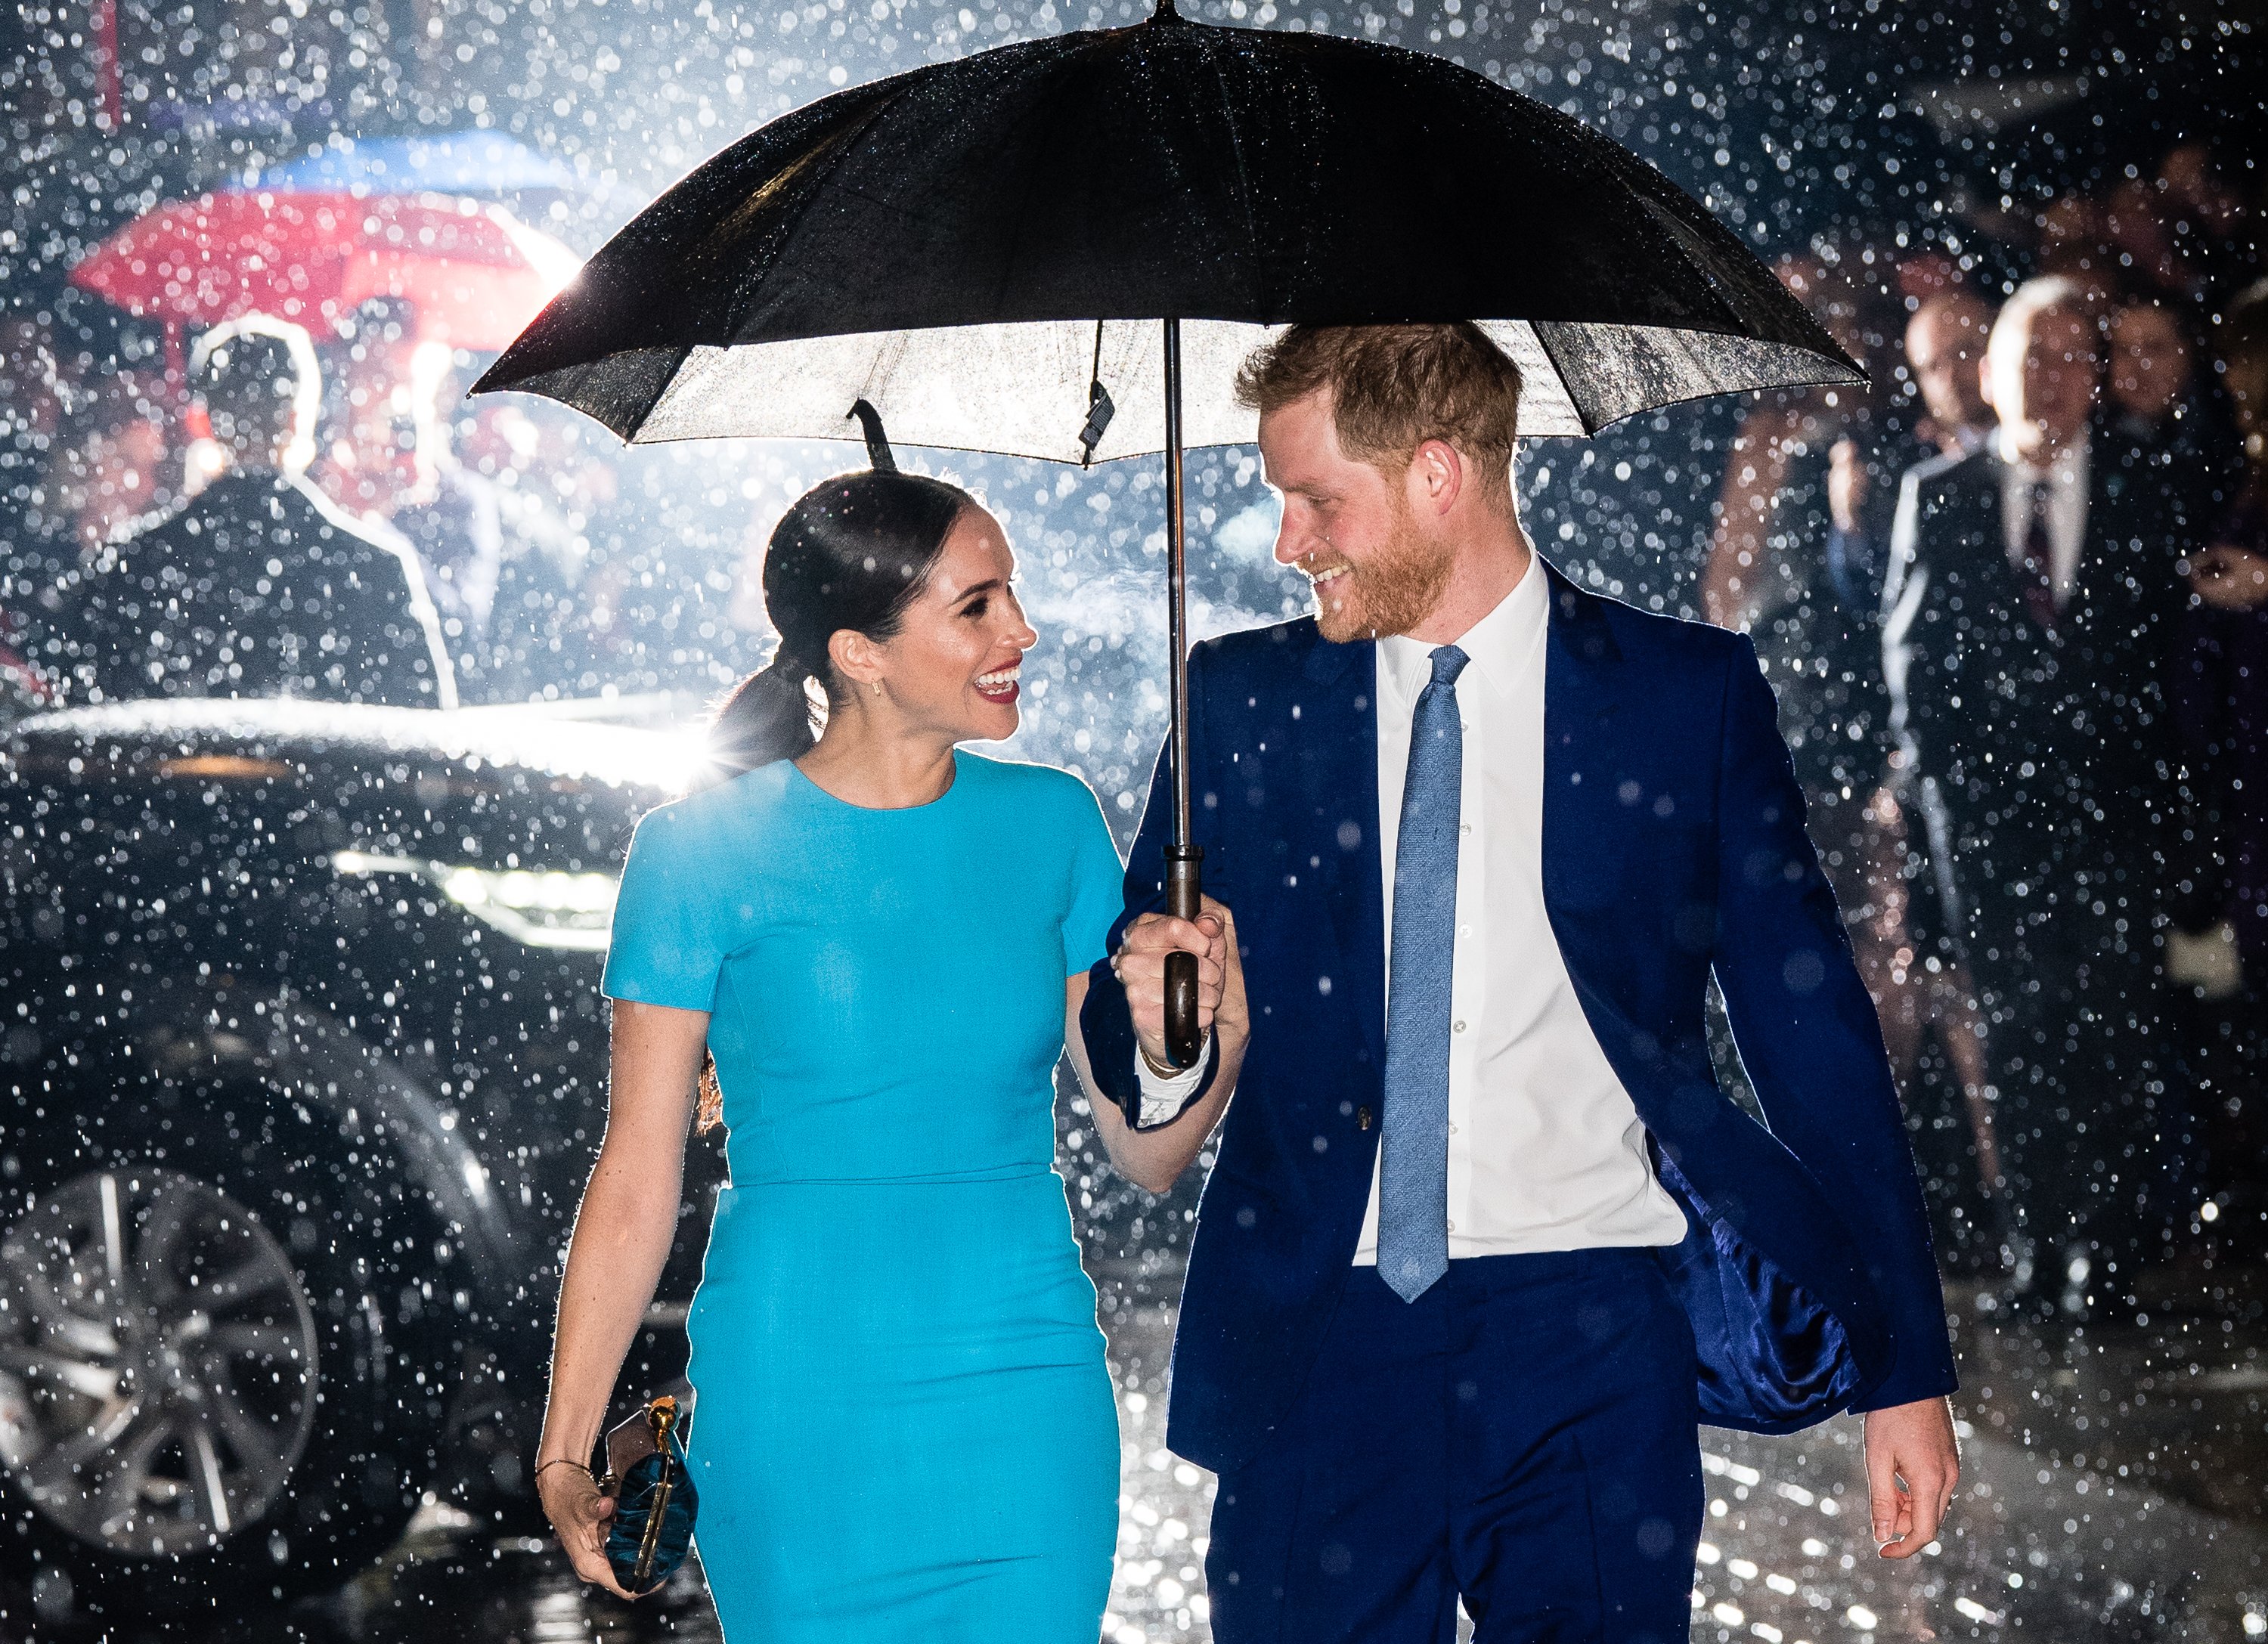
1501 645
2067 466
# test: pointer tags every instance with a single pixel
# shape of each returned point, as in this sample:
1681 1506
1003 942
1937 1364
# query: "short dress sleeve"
666 947
1098 883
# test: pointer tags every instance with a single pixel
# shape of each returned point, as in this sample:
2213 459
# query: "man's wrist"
1158 1067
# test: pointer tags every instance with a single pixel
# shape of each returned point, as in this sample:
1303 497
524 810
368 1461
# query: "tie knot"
1448 663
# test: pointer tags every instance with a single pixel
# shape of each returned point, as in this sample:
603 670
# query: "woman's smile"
1001 686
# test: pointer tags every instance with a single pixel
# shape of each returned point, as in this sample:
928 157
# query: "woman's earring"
878 687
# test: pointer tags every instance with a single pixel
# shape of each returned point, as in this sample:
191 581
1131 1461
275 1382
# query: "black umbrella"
1033 249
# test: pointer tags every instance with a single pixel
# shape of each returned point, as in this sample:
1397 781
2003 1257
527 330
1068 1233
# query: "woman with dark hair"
866 946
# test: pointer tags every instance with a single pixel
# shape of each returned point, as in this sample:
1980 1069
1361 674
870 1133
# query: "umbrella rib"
1560 370
1236 151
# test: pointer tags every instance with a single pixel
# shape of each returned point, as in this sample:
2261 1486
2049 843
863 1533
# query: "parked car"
302 1068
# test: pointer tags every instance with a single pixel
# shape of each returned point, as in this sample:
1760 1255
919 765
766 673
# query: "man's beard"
1391 592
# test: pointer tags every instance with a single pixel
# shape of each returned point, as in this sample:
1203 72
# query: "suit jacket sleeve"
1905 587
1104 1021
1807 1034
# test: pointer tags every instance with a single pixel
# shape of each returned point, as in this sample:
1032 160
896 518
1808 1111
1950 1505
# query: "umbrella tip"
1165 12
878 444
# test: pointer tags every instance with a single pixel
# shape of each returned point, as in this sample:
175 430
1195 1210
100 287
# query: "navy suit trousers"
1523 1435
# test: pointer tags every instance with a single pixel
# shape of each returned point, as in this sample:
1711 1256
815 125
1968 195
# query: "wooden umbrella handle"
1184 900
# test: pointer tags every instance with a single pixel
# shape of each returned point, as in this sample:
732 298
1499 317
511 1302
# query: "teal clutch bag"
654 1498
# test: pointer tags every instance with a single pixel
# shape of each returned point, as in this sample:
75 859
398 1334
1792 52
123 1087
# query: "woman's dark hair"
853 553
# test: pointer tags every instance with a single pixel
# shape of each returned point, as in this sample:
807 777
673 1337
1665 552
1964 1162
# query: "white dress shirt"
1546 1149
2066 477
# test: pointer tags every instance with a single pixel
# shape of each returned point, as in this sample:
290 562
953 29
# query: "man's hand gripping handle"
1184 900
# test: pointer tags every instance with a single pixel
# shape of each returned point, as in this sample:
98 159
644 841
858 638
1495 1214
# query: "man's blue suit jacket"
1672 845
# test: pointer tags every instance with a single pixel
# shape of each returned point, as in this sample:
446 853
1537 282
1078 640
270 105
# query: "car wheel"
218 1378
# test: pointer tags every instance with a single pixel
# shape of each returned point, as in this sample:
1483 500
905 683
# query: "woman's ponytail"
770 715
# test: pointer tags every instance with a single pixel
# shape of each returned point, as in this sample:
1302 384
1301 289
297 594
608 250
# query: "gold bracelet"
1171 1073
567 1461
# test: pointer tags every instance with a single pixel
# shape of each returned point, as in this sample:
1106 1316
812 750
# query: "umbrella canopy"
944 243
475 272
1062 249
485 163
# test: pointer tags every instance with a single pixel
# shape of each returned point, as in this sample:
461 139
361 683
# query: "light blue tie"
1413 1191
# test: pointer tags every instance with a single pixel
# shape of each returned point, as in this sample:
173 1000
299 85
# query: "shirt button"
1464 827
1452 1227
1460 1027
1464 930
1452 1130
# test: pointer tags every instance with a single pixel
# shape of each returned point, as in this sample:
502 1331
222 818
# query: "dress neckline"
952 787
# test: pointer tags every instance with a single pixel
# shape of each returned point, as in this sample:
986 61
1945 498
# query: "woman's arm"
622 1235
1154 1159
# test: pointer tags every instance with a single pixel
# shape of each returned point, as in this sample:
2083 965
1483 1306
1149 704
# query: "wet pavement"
2112 1492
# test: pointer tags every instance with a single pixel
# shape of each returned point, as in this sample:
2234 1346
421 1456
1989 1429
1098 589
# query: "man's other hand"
1140 964
1912 1464
2230 579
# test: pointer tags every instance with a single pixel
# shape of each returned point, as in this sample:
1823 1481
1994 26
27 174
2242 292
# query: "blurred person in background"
1945 354
31 412
106 473
2033 602
2148 391
111 468
1920 1001
570 612
2242 343
2221 692
1804 580
2213 232
1767 575
258 585
2219 687
393 461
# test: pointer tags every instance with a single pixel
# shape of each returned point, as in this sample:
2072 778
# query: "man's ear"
1436 477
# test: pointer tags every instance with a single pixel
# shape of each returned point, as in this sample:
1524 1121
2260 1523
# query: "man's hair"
1394 387
260 383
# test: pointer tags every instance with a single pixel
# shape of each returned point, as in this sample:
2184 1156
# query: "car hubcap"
157 1361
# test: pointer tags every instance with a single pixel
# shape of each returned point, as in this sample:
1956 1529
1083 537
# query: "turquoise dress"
903 1427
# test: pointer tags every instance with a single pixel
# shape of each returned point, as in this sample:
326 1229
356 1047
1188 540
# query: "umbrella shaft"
1177 667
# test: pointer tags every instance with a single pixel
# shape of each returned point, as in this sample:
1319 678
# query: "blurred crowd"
502 515
2014 601
2012 595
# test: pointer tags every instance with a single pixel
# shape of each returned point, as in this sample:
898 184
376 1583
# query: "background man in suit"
1485 1241
2033 594
258 585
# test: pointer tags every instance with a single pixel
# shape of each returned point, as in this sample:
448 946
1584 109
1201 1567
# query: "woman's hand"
578 1516
621 1239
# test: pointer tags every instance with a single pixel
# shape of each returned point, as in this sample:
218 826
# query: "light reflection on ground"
2050 1541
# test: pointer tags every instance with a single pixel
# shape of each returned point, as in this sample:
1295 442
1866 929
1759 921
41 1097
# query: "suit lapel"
1338 782
1582 703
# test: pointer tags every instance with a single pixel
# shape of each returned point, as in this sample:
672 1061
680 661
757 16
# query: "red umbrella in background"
476 274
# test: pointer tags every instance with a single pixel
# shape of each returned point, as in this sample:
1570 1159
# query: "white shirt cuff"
1165 1099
